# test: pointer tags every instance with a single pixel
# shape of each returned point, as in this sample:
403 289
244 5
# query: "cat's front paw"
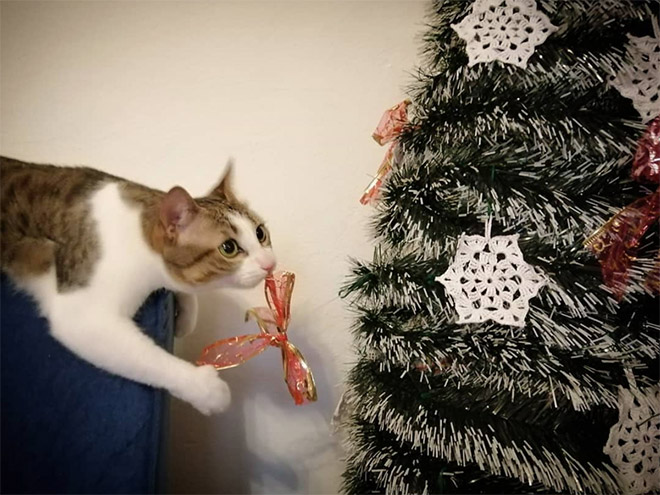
208 393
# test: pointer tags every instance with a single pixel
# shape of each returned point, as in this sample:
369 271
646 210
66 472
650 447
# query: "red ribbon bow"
615 242
273 322
389 128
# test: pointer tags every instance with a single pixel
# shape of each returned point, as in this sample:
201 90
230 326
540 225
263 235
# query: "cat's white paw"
186 318
208 393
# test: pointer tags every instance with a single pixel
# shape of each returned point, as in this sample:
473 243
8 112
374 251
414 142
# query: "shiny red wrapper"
273 322
389 128
392 123
615 242
373 189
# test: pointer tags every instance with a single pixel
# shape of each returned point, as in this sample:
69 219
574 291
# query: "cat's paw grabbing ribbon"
207 392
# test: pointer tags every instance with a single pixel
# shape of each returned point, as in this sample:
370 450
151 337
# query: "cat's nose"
268 266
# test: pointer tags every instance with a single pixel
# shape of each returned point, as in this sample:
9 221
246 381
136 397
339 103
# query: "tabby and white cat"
89 247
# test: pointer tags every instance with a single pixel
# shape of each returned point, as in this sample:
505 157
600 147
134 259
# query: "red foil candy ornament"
615 242
273 322
389 128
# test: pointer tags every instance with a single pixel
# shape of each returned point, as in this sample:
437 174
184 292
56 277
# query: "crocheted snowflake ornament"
490 280
639 79
505 30
634 442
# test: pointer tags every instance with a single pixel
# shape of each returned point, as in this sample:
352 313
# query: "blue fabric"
68 427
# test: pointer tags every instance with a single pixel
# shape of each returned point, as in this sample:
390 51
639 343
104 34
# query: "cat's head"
214 241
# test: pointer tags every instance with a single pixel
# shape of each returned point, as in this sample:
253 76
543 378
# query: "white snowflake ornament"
634 442
490 280
505 30
639 80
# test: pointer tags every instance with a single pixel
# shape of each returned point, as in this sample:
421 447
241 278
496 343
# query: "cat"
89 247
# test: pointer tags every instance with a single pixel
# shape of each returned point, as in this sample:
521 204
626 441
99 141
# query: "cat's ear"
224 188
177 210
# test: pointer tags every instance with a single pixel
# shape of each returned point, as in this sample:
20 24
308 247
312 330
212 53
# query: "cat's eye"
262 234
229 248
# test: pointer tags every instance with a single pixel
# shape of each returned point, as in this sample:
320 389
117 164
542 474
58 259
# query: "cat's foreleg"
116 344
186 318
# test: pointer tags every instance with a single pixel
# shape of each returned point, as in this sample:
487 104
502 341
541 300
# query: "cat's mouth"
236 281
251 280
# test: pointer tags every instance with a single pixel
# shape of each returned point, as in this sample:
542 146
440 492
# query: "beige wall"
162 93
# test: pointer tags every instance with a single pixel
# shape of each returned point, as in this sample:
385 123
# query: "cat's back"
37 184
45 218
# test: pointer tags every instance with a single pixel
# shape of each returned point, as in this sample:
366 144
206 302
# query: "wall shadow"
207 453
255 446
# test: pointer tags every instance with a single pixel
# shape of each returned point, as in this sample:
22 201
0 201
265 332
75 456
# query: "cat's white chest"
128 269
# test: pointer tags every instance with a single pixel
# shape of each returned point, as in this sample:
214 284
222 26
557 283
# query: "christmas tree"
510 311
